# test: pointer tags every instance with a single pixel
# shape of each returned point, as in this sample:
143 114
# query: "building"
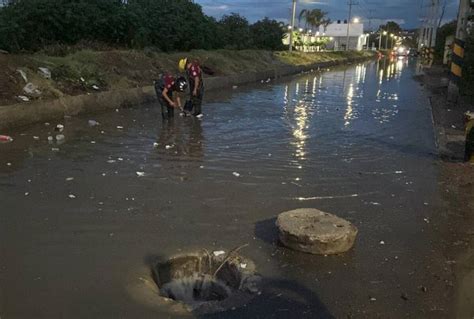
337 32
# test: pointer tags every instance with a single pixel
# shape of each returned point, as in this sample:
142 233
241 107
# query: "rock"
32 90
315 232
44 72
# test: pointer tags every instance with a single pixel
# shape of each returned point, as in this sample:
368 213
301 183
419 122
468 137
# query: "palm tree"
314 18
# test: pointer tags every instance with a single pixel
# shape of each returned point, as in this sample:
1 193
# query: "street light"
356 20
293 17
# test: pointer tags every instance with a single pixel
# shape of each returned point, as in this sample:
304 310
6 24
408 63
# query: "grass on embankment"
84 71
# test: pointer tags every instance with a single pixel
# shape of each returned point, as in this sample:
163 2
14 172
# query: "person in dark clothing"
196 84
165 87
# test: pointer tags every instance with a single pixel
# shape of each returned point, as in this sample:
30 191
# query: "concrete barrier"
22 114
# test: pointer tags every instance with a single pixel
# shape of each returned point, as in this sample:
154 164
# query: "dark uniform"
192 72
168 82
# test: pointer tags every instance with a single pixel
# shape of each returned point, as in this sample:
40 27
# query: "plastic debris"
373 299
218 253
236 174
31 90
120 127
111 161
59 128
168 147
120 159
243 266
5 139
72 196
82 79
235 87
23 75
200 116
70 179
26 194
55 149
155 145
23 98
36 138
9 164
95 87
44 72
50 138
426 220
382 242
140 174
93 123
60 137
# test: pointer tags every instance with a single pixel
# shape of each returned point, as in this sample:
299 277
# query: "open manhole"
207 282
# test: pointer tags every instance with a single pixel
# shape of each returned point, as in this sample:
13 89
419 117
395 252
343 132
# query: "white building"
337 32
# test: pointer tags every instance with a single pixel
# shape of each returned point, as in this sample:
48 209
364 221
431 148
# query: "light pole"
380 39
349 24
391 40
293 17
386 39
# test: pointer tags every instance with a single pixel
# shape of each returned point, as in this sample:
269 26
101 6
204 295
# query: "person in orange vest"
196 84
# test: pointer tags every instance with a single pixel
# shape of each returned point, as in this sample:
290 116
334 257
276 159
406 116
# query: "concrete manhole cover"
207 282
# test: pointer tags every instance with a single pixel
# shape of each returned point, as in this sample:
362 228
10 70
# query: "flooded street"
79 223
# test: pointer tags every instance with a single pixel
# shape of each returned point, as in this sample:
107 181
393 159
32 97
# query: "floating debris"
69 179
140 174
5 139
218 253
72 196
236 174
59 128
93 123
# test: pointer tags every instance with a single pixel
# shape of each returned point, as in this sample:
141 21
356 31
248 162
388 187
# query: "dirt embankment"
89 71
457 186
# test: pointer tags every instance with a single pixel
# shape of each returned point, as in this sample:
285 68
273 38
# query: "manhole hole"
207 282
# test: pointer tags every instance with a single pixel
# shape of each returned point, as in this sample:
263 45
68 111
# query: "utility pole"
351 3
293 17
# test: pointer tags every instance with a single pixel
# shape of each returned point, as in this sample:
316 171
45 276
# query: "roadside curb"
23 114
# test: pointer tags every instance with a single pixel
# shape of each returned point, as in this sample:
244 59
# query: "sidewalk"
456 184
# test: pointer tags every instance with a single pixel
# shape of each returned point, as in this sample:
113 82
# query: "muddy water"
78 225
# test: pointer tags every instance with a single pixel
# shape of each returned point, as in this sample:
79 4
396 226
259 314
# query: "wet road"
78 225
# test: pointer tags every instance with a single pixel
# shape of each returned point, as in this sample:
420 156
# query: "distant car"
401 51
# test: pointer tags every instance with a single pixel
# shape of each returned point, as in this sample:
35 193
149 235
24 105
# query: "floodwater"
78 226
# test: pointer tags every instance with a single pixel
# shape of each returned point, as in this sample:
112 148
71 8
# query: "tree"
268 34
236 32
314 18
444 32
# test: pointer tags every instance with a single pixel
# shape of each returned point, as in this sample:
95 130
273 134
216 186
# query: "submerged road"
78 224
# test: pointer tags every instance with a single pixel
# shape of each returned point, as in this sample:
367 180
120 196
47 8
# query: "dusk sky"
406 12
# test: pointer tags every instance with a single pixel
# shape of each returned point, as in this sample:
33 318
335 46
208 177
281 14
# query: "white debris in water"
169 146
60 137
201 166
453 126
69 179
375 204
60 127
243 266
111 161
426 220
235 87
9 164
200 116
373 299
382 242
140 174
120 127
426 204
399 172
36 138
236 174
92 142
82 79
95 87
93 123
55 149
50 138
218 253
120 159
26 194
155 145
72 196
